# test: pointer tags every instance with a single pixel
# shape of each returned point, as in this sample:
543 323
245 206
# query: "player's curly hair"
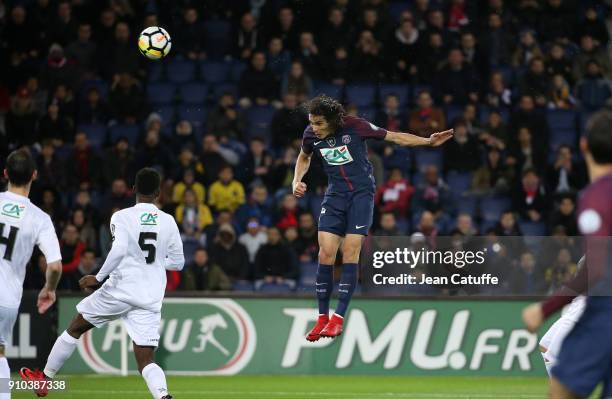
329 108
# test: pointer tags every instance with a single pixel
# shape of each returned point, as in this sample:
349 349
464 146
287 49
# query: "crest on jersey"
12 210
337 155
331 141
148 219
346 139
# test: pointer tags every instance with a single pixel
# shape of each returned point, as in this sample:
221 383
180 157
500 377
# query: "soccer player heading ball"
348 206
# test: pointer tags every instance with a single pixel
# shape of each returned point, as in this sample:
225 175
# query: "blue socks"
348 282
324 287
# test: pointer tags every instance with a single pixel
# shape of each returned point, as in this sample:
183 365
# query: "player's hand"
299 189
440 138
533 317
88 281
46 298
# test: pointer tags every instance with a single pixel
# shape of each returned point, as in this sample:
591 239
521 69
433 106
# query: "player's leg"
7 322
143 327
65 345
545 345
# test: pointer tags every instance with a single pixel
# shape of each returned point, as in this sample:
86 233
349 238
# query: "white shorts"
7 322
142 325
555 335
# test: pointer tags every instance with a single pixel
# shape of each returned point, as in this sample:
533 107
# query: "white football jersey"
22 226
151 243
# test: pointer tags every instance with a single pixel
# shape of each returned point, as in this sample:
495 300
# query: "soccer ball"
154 43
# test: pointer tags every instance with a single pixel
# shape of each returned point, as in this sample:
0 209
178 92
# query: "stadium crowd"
221 119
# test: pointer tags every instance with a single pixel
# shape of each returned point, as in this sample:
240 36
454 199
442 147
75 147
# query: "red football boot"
35 375
333 329
315 333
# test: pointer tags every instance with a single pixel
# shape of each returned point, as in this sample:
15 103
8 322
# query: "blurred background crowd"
221 118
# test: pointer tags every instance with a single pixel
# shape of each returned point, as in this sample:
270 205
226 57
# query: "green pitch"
307 387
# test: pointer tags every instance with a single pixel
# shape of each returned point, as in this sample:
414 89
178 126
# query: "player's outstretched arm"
411 140
301 167
46 297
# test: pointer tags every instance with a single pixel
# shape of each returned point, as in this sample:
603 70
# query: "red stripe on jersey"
346 179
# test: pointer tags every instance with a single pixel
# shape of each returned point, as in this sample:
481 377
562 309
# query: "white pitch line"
318 394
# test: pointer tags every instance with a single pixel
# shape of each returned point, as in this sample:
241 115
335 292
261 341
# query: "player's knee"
350 252
326 255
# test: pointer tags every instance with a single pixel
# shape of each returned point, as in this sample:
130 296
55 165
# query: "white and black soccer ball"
154 42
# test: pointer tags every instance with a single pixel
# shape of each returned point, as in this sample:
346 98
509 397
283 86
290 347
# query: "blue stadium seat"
99 84
332 90
258 121
275 288
131 132
467 204
563 136
308 274
397 7
242 285
367 113
194 93
529 228
459 182
161 93
453 112
507 74
428 156
156 72
96 134
491 207
363 95
561 119
167 114
196 114
237 68
485 111
181 71
402 91
217 38
214 71
219 89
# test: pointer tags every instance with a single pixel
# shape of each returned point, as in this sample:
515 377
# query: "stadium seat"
196 114
96 134
167 114
214 71
156 72
402 91
427 156
308 274
161 93
529 228
396 8
275 288
217 38
459 182
563 136
258 121
491 207
507 74
130 132
99 84
467 204
237 68
367 113
194 93
181 71
561 119
332 90
242 285
218 90
361 95
453 112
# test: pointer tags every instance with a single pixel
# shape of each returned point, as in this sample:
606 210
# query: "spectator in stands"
564 215
126 100
566 175
390 117
83 52
82 201
387 225
55 127
192 216
63 95
593 26
427 227
104 234
527 116
297 82
64 27
20 36
87 266
395 194
225 121
120 57
337 65
50 168
52 205
308 54
279 59
38 95
104 31
119 196
57 70
560 96
507 225
589 50
87 233
593 90
191 35
83 165
563 268
247 37
288 212
494 176
530 199
433 195
184 137
119 162
231 256
258 206
153 154
527 49
427 118
337 32
72 248
367 62
288 123
94 110
275 262
21 120
188 182
558 63
498 42
457 83
253 238
494 133
462 154
258 86
282 172
213 157
286 28
465 226
406 50
226 193
256 164
560 22
474 54
535 82
498 96
188 161
307 238
526 280
203 275
524 154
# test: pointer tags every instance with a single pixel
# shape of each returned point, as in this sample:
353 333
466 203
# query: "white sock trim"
148 367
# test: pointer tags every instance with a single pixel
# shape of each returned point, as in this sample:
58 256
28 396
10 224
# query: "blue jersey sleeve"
365 130
307 140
